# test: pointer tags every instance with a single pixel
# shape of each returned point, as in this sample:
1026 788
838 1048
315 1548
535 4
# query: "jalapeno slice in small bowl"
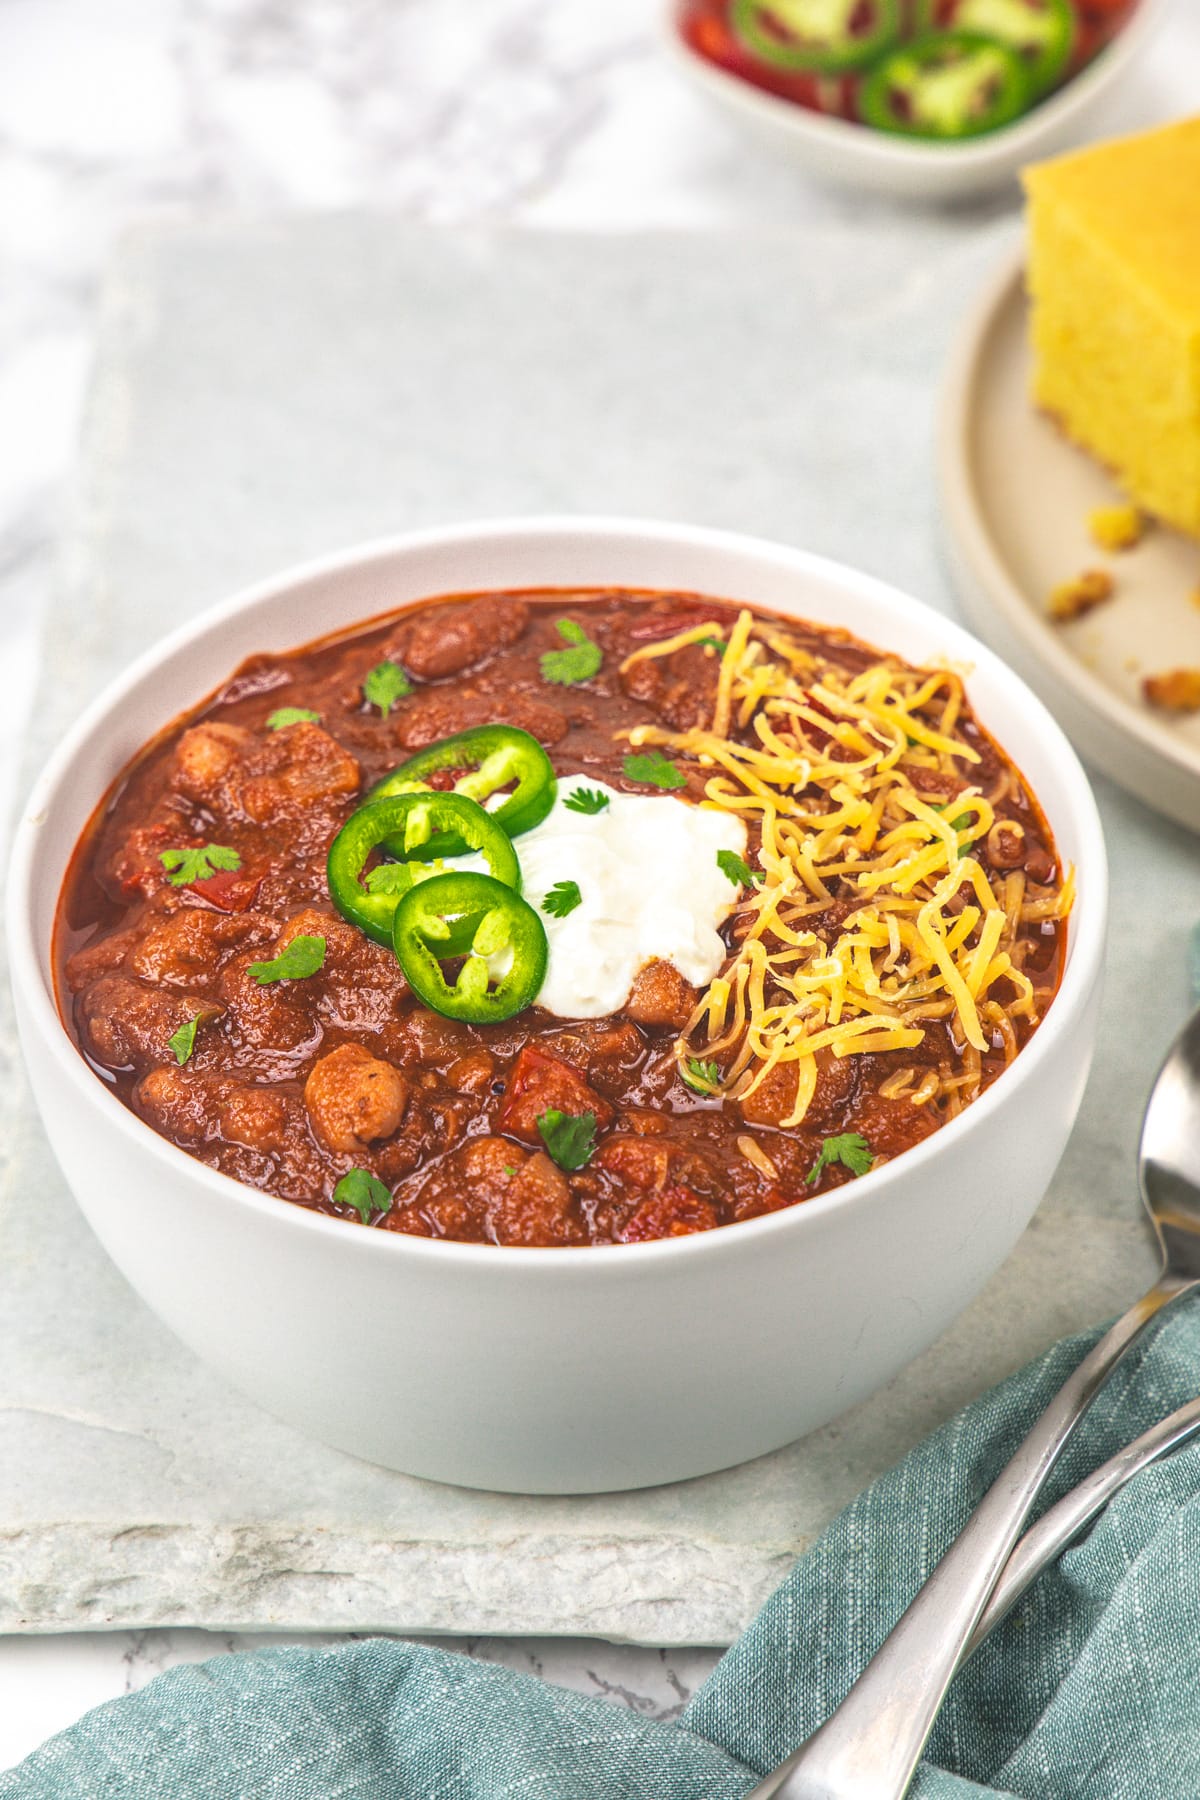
1042 32
412 824
494 757
946 85
825 37
495 935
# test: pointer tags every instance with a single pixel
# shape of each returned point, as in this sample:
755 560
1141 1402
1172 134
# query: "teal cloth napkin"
1090 1691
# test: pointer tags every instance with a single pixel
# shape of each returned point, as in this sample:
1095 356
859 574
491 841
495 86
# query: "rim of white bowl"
867 145
1085 939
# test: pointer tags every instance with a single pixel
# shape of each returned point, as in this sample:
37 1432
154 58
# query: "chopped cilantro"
183 1041
737 868
701 1077
851 1150
389 878
398 877
510 1169
585 800
303 956
386 684
186 866
654 770
569 1137
579 662
713 643
292 715
562 899
364 1192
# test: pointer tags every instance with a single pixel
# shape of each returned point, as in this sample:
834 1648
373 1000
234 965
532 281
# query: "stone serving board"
266 393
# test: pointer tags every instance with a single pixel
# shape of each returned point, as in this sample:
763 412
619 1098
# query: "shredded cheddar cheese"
871 916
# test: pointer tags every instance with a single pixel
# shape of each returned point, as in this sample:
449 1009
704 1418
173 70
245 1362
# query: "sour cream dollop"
650 888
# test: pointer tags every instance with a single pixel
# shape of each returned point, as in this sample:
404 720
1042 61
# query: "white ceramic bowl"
856 154
556 1370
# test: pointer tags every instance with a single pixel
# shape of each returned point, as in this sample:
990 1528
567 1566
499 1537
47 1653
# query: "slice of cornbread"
1114 275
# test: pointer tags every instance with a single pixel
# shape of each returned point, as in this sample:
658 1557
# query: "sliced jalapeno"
463 914
950 84
410 825
495 757
1042 32
823 36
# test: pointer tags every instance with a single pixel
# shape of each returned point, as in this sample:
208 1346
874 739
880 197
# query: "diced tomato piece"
226 890
665 625
540 1083
675 1212
137 866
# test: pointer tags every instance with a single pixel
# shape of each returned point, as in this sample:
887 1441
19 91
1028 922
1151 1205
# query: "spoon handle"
1045 1542
869 1747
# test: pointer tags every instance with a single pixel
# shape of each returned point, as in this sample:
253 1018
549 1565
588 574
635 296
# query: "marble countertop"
554 113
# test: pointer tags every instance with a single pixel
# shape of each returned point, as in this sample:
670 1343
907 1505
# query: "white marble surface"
545 112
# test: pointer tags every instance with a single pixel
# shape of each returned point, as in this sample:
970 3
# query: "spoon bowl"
1169 1156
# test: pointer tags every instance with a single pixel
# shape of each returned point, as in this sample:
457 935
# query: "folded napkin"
1089 1691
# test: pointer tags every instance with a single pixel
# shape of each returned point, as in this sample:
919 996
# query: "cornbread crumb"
1133 664
1071 599
1176 690
1117 527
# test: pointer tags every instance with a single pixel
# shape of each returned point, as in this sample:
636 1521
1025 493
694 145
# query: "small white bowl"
888 164
556 1371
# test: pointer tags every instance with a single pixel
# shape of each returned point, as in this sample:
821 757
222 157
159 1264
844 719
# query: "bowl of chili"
934 99
668 1327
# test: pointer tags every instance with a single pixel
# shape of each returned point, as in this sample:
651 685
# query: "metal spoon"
1058 1528
868 1749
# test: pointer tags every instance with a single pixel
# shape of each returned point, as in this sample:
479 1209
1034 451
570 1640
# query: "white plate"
1016 496
887 164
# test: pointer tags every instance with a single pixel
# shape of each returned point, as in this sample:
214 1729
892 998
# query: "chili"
950 84
409 825
493 756
825 37
500 929
1042 32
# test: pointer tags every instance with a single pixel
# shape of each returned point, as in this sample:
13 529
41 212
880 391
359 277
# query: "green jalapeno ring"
839 51
945 86
428 928
1042 32
494 755
415 822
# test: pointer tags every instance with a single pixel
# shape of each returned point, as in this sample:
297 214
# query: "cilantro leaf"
851 1150
292 715
303 956
569 1137
562 899
183 1041
578 663
586 800
186 866
364 1192
654 770
398 877
701 1077
737 869
389 878
713 643
384 685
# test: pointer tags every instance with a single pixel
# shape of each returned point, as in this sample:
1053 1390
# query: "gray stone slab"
266 393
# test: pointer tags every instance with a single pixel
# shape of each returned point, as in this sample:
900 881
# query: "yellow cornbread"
1114 274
